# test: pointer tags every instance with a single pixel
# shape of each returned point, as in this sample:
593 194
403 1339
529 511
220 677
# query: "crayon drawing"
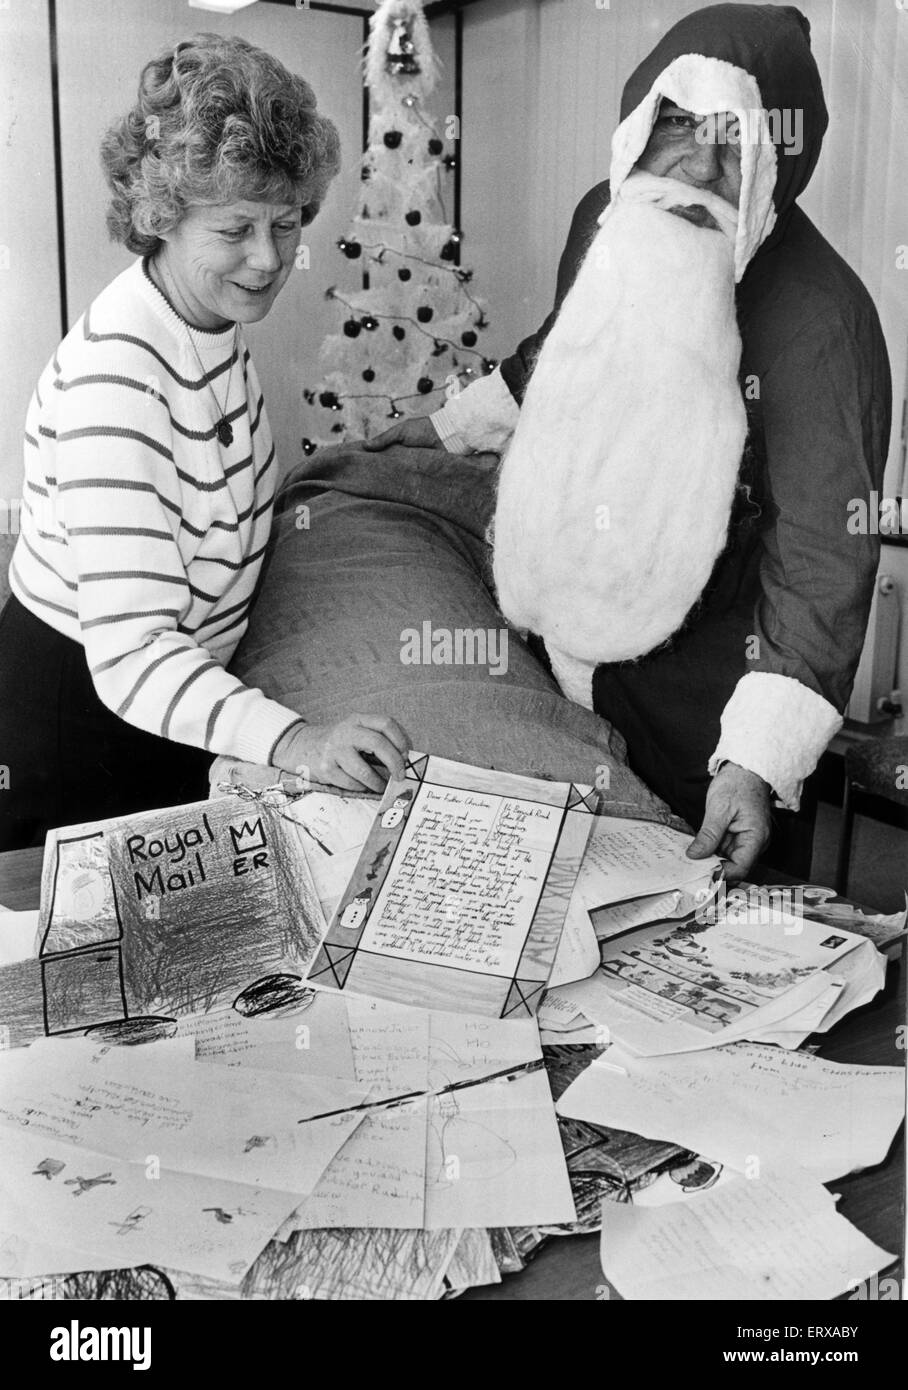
165 913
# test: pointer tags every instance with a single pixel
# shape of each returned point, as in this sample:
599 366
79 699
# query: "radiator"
875 696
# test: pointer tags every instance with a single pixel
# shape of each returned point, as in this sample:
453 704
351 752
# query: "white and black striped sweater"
142 534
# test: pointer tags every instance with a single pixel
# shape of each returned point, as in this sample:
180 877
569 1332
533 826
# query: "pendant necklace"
223 427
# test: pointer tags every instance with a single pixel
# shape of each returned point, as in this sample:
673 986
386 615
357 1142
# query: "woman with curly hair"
150 470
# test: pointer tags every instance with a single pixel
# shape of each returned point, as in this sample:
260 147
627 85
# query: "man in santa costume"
682 436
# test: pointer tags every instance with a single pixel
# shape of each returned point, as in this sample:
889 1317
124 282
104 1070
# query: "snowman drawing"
397 810
357 910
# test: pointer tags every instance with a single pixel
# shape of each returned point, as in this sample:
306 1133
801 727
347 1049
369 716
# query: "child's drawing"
378 862
233 904
357 910
259 1141
83 908
398 809
224 1217
697 1175
470 1150
132 1222
274 995
86 1184
49 1168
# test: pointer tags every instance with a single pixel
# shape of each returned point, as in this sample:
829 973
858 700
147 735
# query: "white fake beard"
634 407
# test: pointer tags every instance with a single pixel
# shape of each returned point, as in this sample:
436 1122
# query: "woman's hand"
333 753
418 433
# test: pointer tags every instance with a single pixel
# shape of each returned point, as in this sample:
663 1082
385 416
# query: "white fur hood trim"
779 729
706 86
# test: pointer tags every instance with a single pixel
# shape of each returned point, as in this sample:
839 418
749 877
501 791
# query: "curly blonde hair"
216 121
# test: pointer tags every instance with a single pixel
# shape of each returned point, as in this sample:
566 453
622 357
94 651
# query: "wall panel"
29 301
102 49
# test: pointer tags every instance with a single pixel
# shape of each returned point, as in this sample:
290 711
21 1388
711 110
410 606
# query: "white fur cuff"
778 728
481 417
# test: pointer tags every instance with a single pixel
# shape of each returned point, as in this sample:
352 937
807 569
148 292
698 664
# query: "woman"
150 471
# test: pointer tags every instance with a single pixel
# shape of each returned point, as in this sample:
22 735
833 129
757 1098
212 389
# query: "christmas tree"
410 336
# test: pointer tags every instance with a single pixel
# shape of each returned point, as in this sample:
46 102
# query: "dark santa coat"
790 595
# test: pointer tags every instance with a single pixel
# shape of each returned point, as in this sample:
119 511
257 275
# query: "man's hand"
333 753
418 433
736 822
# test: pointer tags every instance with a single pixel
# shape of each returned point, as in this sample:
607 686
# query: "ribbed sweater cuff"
264 724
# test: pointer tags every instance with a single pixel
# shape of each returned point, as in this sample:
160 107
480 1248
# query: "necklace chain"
223 427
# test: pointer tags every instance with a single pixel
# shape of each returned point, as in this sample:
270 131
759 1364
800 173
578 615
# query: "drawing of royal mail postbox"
80 952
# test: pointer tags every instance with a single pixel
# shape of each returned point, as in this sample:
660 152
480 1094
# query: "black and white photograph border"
524 382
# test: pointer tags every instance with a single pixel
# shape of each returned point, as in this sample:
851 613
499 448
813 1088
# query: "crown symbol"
250 836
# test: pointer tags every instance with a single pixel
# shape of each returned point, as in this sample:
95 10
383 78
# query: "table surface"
568 1267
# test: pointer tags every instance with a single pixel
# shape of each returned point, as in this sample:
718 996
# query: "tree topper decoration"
400 62
401 51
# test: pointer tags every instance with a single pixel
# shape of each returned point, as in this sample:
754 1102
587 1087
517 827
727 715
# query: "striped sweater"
142 536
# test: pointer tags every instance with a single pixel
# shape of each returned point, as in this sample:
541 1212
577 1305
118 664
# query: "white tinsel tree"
410 338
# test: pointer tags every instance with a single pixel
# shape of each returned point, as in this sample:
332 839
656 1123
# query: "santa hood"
755 61
615 493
